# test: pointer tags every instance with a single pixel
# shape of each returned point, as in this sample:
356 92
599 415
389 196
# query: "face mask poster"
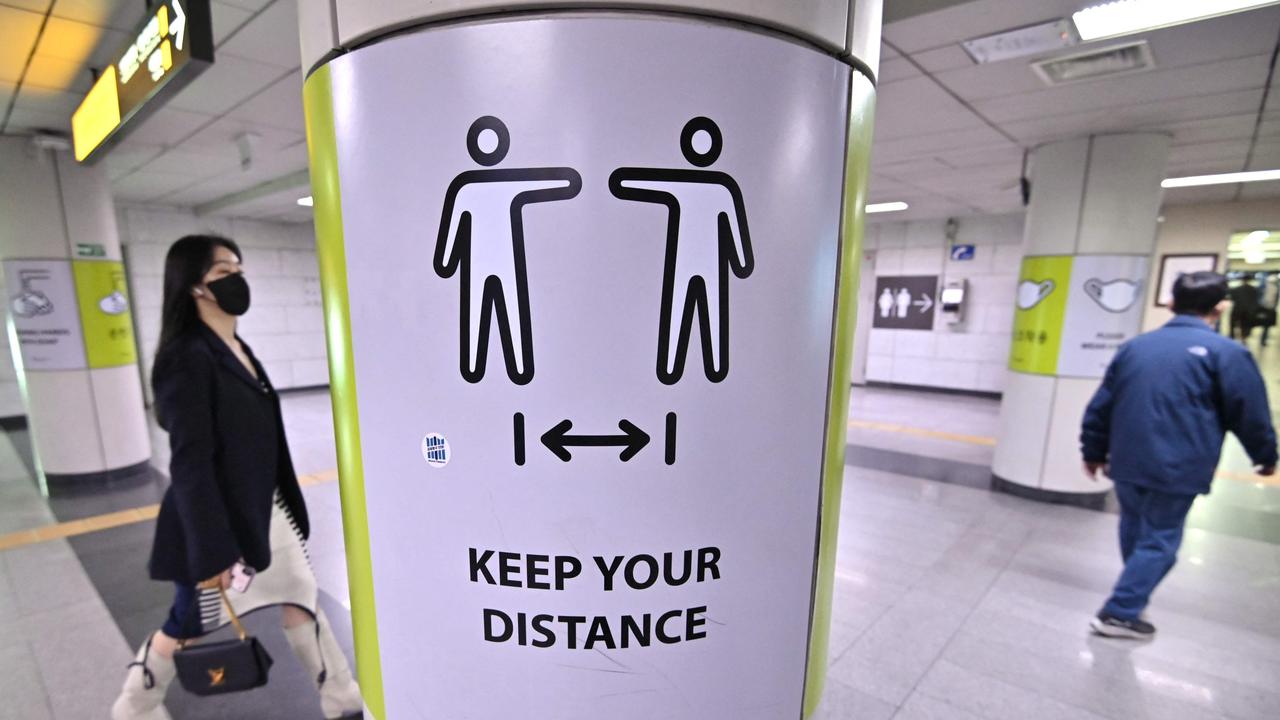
70 315
591 327
1074 311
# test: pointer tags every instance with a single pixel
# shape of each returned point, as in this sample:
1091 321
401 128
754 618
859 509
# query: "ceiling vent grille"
1096 64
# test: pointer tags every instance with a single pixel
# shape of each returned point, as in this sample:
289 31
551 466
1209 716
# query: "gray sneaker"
1112 626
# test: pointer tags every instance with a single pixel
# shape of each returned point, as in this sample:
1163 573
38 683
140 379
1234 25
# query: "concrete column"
68 315
588 276
1090 232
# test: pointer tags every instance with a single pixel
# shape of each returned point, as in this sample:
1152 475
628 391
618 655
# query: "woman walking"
234 502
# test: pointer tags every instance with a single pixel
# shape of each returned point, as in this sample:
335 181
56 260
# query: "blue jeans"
1150 534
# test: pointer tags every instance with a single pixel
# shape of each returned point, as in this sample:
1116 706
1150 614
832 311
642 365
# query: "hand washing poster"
1074 312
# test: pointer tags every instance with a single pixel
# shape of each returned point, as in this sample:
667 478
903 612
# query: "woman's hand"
221 580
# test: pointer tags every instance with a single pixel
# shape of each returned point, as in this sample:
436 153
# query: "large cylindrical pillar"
588 280
1090 232
70 327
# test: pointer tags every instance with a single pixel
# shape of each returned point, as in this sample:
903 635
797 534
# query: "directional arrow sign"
558 440
924 303
178 25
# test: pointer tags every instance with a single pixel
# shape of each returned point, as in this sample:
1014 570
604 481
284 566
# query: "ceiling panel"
896 70
18 32
25 119
226 20
279 106
919 107
1260 190
194 165
1205 194
222 134
252 5
228 82
970 20
271 37
146 186
166 126
1211 78
117 14
926 145
1227 38
1138 116
121 161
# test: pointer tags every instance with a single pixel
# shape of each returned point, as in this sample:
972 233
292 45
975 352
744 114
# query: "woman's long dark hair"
185 266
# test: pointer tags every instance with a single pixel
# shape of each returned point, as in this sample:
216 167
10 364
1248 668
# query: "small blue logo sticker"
962 252
435 450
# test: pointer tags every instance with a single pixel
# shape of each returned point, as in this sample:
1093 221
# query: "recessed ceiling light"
1124 17
1221 179
886 207
305 201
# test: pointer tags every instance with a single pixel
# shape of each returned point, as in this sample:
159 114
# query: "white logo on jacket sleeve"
1198 350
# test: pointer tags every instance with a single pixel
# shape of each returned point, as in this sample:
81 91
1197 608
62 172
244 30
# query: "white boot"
147 680
317 648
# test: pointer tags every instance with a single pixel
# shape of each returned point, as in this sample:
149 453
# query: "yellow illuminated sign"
97 116
176 35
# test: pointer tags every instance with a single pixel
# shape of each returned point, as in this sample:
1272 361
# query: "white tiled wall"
969 356
285 324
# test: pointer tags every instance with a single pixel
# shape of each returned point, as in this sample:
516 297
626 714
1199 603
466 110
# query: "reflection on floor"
952 602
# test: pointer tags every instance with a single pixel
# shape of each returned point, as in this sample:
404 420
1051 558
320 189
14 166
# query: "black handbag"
223 667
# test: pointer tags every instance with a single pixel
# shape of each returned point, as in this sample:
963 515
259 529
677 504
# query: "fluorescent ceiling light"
1255 257
1124 17
1222 179
1255 238
305 201
886 207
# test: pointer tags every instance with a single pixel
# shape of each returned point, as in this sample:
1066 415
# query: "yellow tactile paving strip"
83 526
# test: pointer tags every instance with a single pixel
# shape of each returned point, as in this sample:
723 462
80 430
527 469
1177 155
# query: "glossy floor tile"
951 602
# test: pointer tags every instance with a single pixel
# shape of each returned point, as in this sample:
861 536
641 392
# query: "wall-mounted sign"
961 253
1073 312
41 299
1174 266
168 49
104 313
905 302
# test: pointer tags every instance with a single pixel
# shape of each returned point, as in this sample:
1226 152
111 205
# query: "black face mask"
231 293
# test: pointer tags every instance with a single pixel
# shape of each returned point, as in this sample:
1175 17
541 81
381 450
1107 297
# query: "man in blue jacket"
1156 427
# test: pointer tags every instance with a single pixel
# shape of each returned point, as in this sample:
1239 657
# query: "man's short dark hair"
1198 293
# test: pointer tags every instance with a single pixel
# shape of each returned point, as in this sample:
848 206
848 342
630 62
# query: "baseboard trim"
116 478
1089 501
935 390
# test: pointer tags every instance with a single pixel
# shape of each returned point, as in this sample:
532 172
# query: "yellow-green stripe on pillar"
856 168
323 151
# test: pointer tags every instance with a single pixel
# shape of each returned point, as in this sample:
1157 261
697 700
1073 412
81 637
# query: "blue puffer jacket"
1167 401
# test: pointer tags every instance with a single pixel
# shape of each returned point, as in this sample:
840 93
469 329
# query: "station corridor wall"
972 355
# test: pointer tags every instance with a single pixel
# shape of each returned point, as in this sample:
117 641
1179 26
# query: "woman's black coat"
229 457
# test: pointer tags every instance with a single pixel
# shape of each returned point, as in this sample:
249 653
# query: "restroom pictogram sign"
905 302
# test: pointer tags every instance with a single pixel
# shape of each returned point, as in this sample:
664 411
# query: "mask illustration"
1030 293
1114 296
114 304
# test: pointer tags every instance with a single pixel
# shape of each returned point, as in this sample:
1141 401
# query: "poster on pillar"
1074 311
46 318
1040 306
104 312
1104 310
592 465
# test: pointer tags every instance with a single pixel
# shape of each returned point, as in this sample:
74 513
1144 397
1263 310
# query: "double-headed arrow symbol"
558 440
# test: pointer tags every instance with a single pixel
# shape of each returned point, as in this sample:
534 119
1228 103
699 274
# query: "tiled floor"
952 602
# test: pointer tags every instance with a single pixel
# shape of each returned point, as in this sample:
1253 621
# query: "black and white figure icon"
1115 296
29 302
707 238
482 238
905 302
